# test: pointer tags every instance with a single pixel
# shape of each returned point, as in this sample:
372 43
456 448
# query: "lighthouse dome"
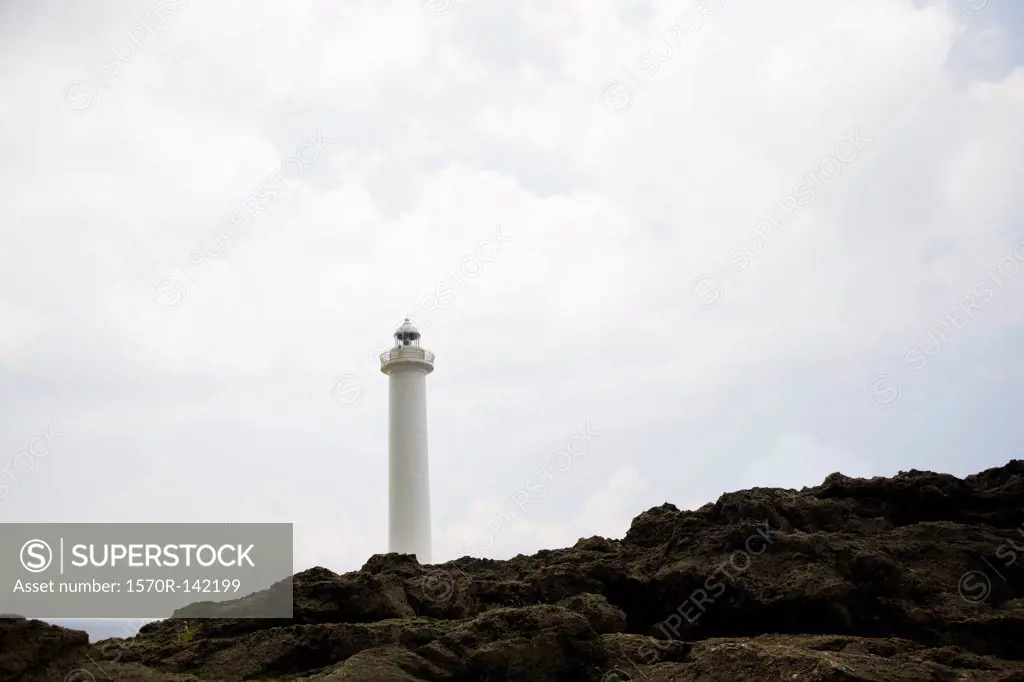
407 334
407 327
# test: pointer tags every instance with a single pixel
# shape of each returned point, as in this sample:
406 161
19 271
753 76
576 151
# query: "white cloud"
798 461
501 528
447 127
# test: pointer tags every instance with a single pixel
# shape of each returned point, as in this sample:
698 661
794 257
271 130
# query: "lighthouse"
407 366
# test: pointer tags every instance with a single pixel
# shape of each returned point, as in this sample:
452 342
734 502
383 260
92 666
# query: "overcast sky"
736 242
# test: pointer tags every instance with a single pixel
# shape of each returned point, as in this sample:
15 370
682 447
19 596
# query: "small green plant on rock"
187 635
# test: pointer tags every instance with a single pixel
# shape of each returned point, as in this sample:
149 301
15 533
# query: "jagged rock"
915 577
34 650
601 615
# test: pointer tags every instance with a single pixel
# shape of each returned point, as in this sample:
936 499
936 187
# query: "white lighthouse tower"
407 366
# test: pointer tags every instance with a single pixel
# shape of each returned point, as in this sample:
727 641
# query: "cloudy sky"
738 243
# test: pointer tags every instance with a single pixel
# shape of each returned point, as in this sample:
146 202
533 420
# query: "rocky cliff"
916 577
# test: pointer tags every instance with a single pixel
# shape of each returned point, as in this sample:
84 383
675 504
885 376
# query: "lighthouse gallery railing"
406 353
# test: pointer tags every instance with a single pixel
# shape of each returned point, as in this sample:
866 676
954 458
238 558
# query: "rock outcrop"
916 577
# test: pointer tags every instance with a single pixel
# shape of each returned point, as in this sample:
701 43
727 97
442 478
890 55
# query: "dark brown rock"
601 615
32 650
915 577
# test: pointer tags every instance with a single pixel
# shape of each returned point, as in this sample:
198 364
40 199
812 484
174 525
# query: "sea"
102 628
